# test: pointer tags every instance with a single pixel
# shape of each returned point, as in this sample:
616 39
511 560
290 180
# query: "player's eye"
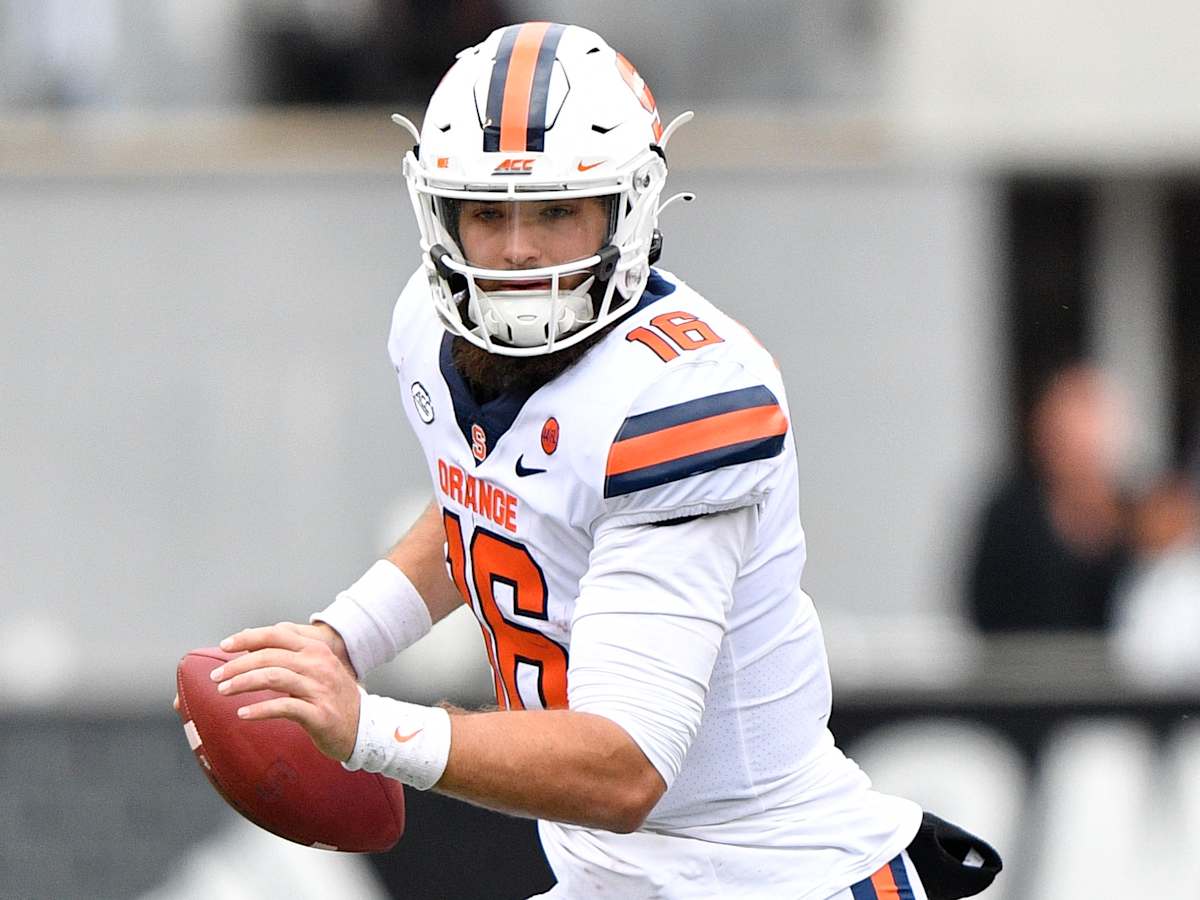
488 214
558 211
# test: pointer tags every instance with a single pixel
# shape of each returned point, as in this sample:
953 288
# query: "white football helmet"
538 112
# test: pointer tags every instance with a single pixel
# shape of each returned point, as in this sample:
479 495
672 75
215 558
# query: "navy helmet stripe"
535 131
495 98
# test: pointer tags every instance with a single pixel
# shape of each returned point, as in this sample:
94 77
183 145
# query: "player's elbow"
628 821
637 797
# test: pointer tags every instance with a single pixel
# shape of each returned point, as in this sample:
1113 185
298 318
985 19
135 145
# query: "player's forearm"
395 602
421 555
560 765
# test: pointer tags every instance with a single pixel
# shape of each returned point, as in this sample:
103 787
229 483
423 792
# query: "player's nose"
520 249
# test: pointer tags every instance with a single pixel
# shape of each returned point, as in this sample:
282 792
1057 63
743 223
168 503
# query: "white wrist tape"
377 616
405 741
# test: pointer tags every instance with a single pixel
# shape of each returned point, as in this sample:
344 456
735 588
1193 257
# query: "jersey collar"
496 416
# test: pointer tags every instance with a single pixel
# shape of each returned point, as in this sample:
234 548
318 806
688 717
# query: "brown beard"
489 374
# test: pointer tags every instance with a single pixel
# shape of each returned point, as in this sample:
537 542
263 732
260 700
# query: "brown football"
272 774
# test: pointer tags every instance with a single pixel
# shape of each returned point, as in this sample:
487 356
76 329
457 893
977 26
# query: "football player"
615 498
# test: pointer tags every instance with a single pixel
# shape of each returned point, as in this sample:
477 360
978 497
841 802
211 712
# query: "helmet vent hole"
444 128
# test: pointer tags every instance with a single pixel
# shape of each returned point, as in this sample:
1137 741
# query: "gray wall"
201 430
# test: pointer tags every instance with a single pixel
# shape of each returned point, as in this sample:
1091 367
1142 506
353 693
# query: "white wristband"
405 741
377 616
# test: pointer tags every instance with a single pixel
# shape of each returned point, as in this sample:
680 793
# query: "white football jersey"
676 412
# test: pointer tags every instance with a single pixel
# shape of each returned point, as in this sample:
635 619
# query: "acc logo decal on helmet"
514 167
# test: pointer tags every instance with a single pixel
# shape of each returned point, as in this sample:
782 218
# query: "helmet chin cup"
523 322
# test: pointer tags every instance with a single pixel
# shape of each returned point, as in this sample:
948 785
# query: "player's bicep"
629 668
422 553
649 624
683 564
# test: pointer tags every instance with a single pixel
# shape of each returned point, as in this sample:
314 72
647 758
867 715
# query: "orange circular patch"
550 435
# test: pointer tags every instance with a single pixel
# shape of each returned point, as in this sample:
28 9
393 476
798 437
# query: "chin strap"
685 196
656 239
408 126
682 119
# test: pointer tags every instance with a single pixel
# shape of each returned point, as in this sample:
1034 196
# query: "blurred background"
967 232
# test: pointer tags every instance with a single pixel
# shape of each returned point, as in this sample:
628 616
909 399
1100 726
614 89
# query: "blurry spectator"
67 52
363 51
1157 622
1053 540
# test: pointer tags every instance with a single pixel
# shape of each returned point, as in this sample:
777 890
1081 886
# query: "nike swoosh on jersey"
582 168
522 471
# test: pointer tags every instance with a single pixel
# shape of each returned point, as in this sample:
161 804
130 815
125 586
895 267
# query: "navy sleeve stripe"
693 410
696 464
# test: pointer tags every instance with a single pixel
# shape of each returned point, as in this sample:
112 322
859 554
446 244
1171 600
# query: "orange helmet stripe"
519 92
518 86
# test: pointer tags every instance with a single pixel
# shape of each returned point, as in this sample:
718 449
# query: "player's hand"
322 694
318 631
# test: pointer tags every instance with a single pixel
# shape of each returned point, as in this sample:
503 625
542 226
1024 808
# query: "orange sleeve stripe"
885 884
710 433
514 113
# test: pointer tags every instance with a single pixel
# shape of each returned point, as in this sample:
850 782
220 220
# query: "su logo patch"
478 443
